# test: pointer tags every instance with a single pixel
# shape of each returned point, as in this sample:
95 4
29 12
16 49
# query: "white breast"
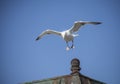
67 36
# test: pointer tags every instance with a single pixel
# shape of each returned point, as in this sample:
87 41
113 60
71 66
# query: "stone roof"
67 79
74 78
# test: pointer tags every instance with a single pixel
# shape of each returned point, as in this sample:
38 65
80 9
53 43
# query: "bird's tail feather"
75 35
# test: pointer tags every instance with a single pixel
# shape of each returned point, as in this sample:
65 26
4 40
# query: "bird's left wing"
78 24
48 32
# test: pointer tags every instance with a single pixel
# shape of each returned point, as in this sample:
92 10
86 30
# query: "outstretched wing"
47 32
78 24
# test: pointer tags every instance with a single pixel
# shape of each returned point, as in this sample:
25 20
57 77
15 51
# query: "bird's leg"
67 48
72 44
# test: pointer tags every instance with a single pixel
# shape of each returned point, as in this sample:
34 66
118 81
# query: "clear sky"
97 47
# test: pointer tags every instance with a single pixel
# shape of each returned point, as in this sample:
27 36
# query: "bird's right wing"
47 32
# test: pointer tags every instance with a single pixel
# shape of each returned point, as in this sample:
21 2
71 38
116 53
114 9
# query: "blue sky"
23 59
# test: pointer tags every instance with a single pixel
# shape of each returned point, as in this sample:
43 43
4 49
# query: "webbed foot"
67 48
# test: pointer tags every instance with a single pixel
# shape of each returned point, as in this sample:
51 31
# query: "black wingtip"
98 22
37 38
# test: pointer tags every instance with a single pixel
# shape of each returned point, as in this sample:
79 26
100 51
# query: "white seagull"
68 35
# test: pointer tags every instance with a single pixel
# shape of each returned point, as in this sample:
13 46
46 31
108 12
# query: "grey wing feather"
76 27
47 32
78 24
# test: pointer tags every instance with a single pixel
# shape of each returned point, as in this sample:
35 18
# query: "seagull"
69 34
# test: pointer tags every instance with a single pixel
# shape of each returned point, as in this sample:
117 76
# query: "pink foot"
67 48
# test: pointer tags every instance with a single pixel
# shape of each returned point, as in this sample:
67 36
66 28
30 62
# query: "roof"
67 79
74 78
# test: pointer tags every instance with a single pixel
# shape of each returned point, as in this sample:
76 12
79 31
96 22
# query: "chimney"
75 66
